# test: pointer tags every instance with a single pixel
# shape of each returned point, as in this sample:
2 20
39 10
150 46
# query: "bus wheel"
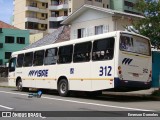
63 88
19 85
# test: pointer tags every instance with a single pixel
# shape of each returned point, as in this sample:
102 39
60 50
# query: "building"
46 15
124 6
76 4
31 15
11 39
92 20
39 15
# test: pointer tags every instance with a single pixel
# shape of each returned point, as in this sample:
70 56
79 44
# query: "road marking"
79 102
6 107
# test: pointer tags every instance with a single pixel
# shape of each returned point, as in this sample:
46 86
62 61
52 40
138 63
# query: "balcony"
33 31
44 1
60 18
1 45
36 20
35 9
58 7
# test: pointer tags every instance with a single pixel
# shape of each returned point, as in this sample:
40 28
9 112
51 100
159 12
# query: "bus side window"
65 54
50 56
38 58
82 52
28 59
103 49
20 60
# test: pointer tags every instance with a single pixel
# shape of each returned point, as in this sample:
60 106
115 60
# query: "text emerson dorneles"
142 114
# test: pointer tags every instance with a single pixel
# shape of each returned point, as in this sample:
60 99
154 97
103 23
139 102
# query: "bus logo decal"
71 70
127 60
38 73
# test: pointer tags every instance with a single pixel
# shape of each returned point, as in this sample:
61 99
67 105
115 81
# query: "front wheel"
19 85
63 88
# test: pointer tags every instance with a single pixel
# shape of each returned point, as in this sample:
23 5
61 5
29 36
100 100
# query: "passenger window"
103 49
38 58
65 54
28 58
20 60
82 52
50 56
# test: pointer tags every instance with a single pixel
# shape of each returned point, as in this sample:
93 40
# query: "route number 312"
105 71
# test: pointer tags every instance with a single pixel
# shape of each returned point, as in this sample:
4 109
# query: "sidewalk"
3 81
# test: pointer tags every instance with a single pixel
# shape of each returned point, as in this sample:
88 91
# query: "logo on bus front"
38 73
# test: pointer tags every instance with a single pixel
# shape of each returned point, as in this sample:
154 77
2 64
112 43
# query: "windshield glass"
135 44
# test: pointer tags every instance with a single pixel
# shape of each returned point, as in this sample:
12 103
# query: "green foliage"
156 93
150 25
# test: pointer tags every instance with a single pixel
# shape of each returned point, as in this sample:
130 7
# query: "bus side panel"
102 75
78 75
47 78
23 73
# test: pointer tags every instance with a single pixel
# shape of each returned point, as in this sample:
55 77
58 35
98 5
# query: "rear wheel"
63 88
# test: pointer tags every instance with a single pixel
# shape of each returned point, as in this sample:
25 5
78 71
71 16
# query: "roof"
60 35
5 25
82 9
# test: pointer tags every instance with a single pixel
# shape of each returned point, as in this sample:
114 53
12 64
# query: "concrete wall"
34 37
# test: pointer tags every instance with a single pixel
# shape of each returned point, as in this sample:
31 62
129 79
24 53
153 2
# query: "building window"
42 14
70 10
9 39
38 58
98 29
21 40
54 13
129 4
28 58
54 2
107 6
20 60
54 25
43 4
82 52
81 33
103 49
7 55
65 13
50 56
31 25
65 54
33 4
98 0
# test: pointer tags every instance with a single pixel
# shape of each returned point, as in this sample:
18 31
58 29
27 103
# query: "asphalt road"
12 100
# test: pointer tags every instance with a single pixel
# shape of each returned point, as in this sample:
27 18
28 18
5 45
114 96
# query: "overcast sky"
6 10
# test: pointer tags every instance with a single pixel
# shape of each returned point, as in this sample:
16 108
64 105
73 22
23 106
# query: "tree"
150 25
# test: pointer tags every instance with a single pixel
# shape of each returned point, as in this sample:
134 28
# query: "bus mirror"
7 64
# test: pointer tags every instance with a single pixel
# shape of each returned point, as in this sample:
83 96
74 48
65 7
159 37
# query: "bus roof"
85 39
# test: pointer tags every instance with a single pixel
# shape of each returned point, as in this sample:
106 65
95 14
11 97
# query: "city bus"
117 61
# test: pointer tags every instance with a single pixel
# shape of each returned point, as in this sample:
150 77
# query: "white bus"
112 61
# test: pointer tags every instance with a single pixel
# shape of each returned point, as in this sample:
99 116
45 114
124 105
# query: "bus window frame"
12 69
149 44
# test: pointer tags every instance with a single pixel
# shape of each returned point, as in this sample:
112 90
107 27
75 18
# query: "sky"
6 10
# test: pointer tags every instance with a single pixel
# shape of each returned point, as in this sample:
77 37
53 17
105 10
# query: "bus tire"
63 89
19 85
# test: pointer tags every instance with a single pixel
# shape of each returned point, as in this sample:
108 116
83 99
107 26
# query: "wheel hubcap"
63 88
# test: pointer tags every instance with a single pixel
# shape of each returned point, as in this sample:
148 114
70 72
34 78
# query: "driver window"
12 64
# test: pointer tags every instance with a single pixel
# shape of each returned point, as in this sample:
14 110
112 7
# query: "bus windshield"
135 44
